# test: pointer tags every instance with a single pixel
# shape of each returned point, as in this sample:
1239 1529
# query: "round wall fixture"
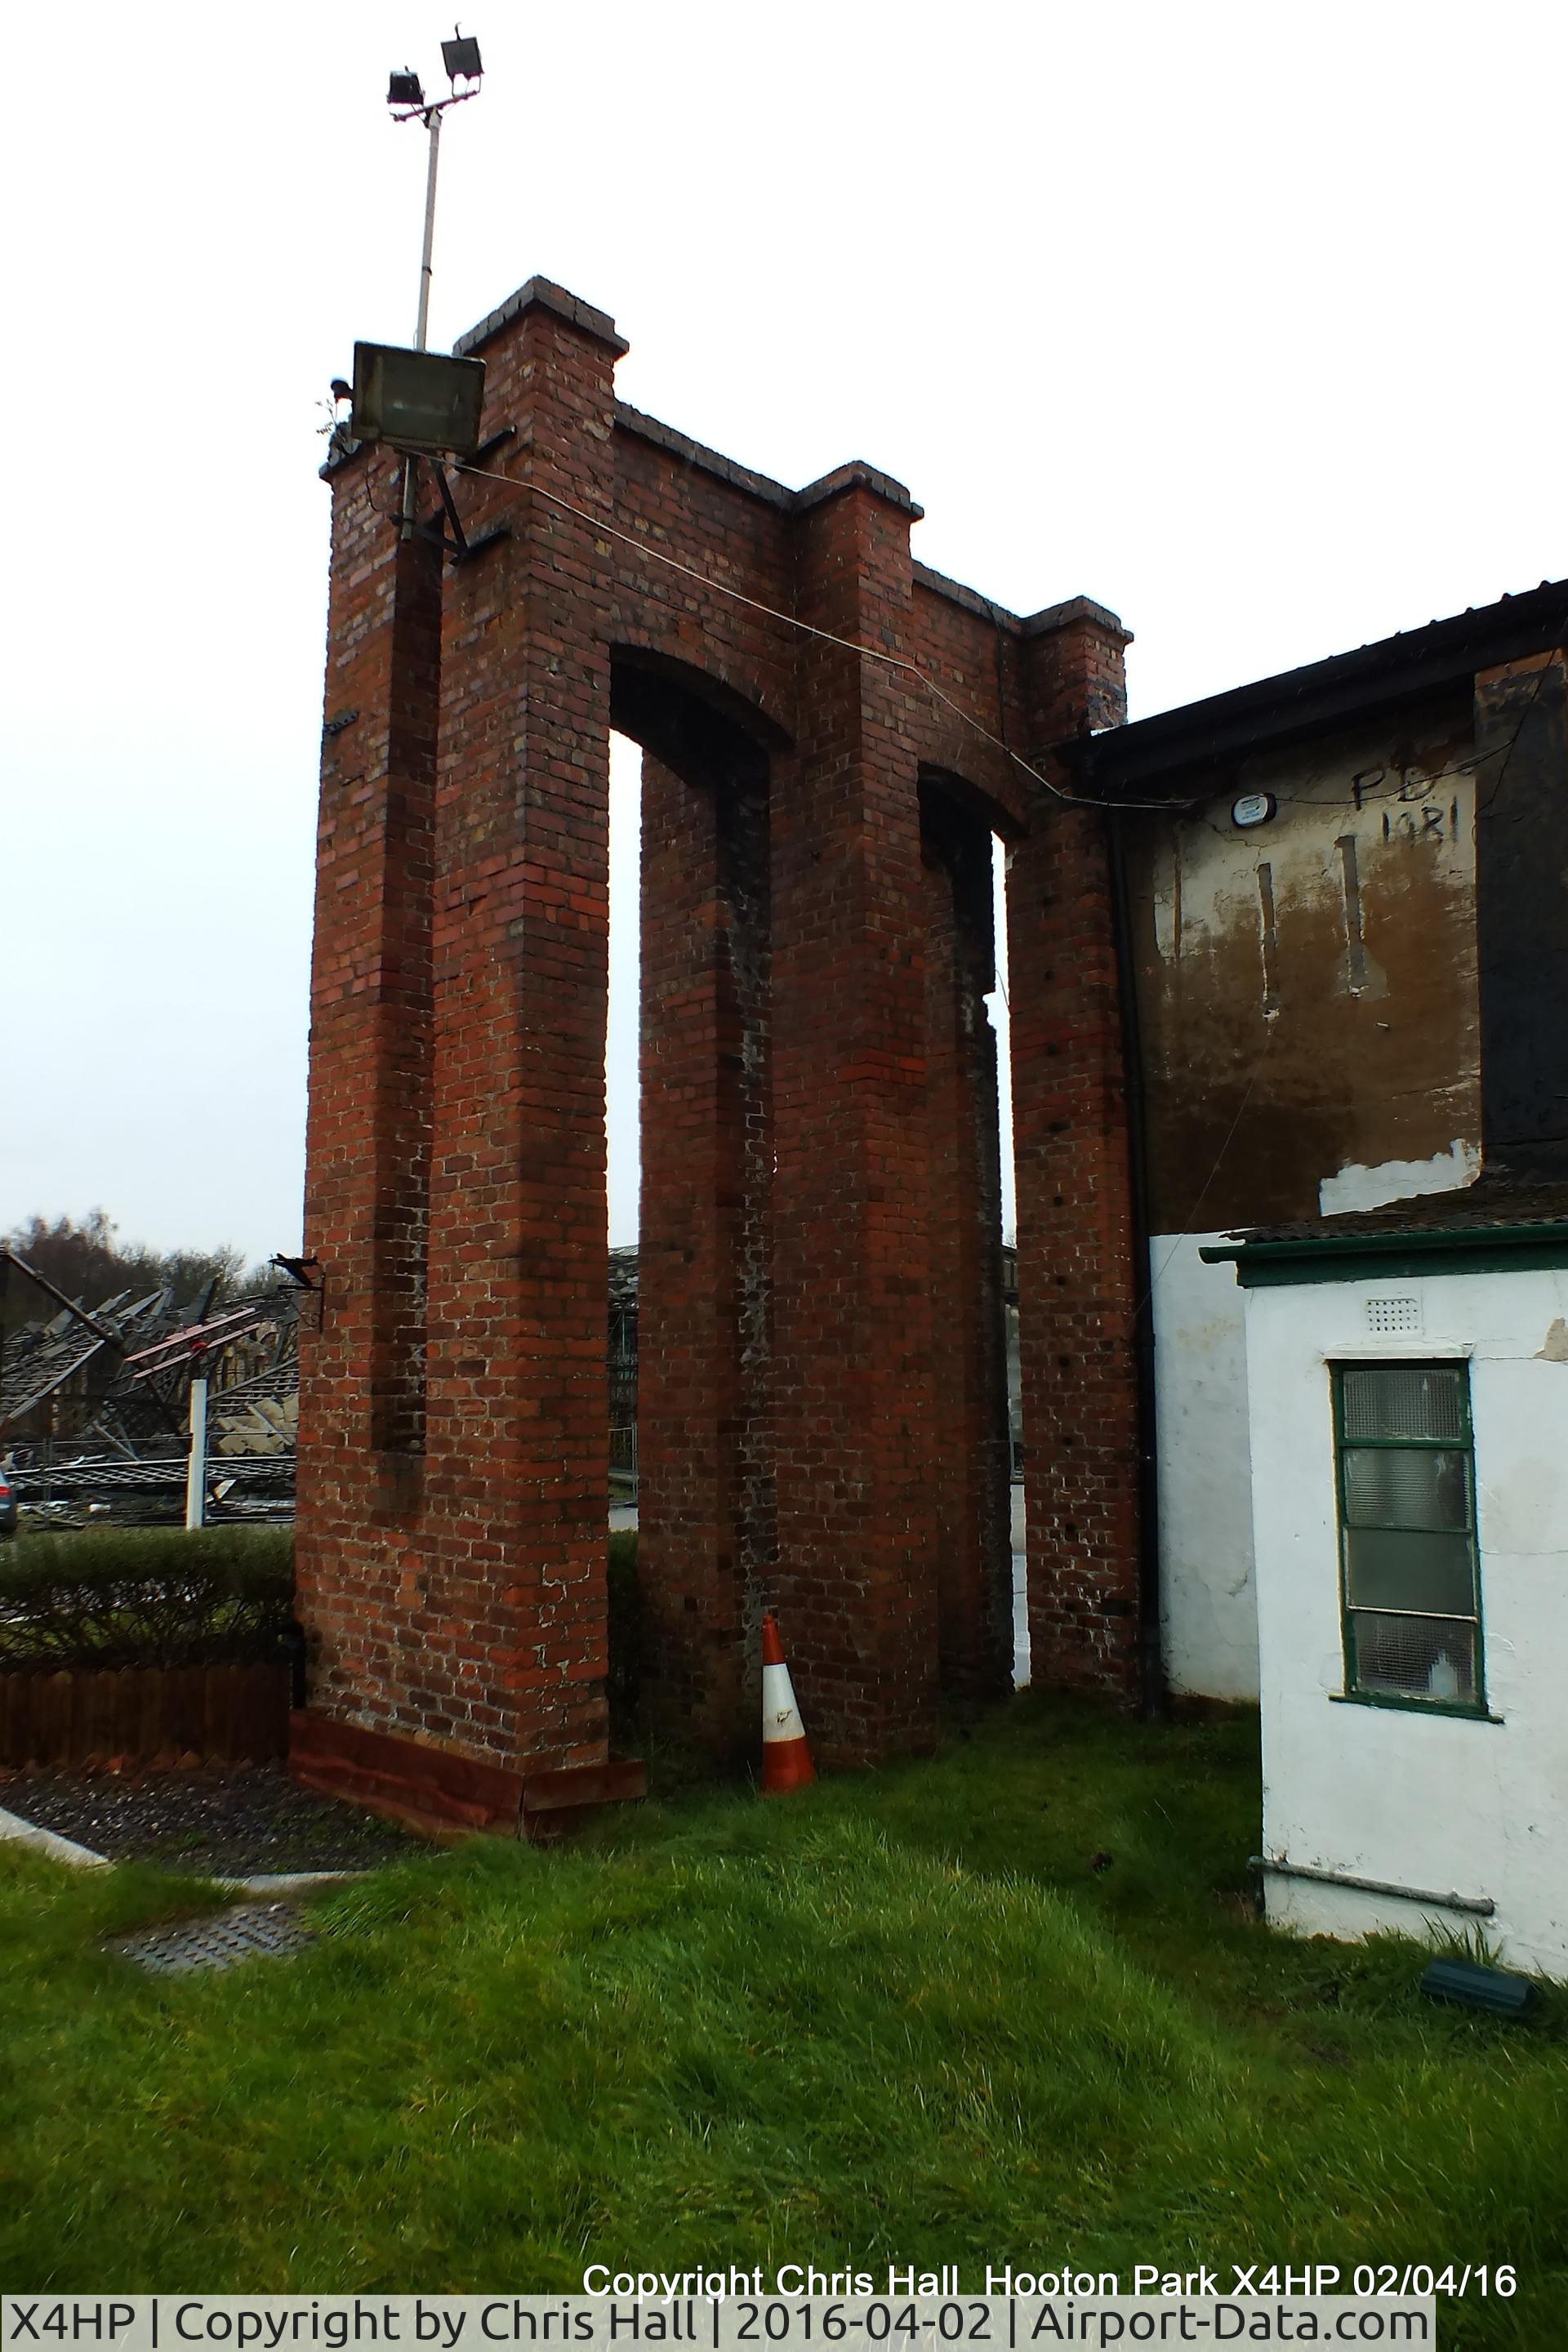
1253 808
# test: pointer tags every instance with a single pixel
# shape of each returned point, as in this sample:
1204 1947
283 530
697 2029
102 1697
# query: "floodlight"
460 56
419 401
425 405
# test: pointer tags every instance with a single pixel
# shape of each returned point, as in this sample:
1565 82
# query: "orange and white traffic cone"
786 1758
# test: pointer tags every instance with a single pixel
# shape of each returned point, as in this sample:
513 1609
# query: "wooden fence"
158 1716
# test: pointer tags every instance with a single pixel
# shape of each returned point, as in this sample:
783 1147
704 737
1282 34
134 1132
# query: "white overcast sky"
1247 320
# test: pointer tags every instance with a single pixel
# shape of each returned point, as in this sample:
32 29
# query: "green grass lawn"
900 2016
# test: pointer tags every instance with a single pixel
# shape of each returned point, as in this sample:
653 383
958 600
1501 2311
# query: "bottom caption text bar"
468 2323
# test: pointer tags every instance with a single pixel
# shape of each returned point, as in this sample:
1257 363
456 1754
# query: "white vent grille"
1394 1315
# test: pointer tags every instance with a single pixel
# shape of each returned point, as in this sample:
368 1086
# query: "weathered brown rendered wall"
1308 987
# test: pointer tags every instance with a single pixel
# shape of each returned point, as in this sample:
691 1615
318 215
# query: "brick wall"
1076 1293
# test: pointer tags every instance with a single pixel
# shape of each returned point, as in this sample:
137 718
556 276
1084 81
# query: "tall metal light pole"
433 123
196 1466
406 97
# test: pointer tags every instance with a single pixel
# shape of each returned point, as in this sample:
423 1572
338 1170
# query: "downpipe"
1153 1696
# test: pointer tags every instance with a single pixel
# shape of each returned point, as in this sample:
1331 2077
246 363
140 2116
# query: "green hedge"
145 1597
161 1597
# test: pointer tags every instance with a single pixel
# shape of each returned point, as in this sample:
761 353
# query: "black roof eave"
1176 748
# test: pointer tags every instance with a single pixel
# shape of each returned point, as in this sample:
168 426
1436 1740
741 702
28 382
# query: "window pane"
1405 1400
1390 1570
1388 1488
1415 1657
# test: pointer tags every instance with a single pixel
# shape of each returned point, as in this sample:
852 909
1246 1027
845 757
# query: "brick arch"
776 652
707 1538
695 716
964 792
653 691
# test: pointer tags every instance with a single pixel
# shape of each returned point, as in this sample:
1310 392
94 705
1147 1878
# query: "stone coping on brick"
708 461
542 294
856 476
1076 608
969 599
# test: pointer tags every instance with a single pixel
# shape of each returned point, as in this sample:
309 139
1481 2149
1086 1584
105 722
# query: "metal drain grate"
221 1941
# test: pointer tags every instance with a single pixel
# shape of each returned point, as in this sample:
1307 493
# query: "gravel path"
224 1822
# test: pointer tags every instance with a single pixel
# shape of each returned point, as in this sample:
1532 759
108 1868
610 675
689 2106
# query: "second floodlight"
460 56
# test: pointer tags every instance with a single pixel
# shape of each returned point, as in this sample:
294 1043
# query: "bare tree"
87 1260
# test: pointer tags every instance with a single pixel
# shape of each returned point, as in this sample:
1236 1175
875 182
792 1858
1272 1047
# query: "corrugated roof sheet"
1492 1203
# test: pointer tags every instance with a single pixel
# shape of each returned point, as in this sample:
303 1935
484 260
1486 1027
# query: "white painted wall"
1356 1187
1441 1803
1208 1607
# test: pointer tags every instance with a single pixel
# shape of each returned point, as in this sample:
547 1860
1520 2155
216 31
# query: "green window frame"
1410 1583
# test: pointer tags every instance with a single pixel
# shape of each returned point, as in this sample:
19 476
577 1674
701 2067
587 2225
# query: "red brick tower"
822 1410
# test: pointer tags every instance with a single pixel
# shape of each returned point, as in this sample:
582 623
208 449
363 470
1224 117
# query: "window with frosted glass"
1407 1527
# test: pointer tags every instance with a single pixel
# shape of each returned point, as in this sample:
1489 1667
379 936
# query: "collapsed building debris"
95 1401
95 1404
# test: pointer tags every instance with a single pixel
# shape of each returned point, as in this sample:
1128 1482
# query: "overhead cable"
806 628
